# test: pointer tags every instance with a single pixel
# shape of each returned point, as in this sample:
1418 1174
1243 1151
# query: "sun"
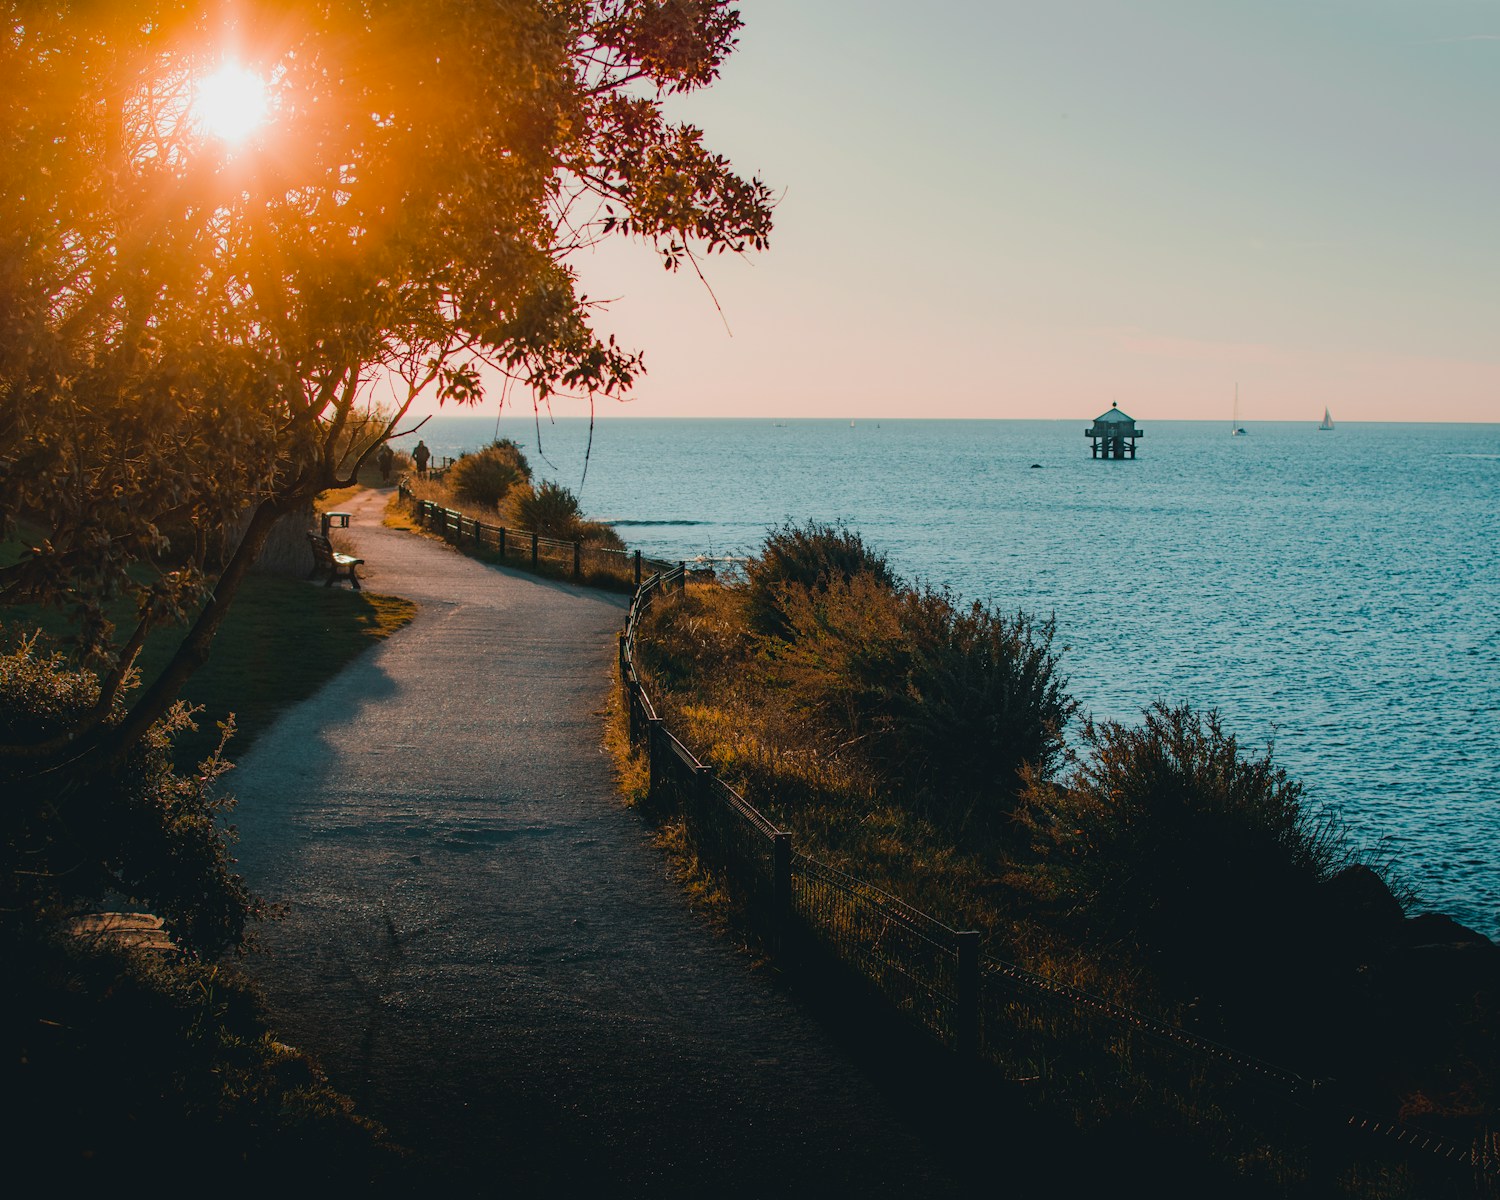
230 104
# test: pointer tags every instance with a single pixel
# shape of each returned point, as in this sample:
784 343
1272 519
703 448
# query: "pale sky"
1008 209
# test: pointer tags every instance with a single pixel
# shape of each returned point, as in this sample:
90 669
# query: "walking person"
420 456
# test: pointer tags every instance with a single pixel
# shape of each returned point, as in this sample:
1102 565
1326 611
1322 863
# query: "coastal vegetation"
494 484
934 749
485 477
493 488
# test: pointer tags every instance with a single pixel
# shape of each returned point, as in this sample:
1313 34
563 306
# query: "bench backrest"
322 547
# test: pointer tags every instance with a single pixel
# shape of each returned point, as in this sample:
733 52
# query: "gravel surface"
486 951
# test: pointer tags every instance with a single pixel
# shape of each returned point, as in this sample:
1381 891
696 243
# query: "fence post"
502 541
966 1018
682 579
652 725
781 892
704 774
577 561
533 552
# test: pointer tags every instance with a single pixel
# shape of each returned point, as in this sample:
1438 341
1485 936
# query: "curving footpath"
484 948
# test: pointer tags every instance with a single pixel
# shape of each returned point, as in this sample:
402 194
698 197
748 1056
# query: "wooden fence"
521 547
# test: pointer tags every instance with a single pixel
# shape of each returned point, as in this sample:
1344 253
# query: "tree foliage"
190 330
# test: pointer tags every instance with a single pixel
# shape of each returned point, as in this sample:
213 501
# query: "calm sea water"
1336 591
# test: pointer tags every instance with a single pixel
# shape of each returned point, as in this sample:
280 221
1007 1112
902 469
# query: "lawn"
281 641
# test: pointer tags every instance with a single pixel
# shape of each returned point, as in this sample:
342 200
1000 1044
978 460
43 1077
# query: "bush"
599 534
1169 839
487 476
136 828
806 556
985 698
116 1050
951 702
548 509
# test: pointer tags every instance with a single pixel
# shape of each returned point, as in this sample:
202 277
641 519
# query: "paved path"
483 946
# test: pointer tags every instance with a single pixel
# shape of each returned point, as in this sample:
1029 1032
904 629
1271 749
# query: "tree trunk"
286 551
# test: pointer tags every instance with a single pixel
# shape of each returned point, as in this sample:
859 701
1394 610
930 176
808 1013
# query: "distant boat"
1235 428
1327 422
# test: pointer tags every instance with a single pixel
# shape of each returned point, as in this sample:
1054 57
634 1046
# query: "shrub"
984 698
487 476
599 534
109 1046
137 829
1169 838
844 655
549 509
806 556
952 702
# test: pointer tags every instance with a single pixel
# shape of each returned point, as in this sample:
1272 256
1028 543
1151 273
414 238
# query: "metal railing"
937 976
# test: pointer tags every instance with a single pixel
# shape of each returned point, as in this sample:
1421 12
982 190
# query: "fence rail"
980 1006
525 547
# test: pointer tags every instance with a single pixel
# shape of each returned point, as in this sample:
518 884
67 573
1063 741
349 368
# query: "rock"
1452 969
1361 911
1436 964
1438 929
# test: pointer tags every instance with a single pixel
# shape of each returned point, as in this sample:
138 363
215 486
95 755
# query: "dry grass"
669 834
707 675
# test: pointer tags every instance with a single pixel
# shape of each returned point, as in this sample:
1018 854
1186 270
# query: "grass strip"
280 642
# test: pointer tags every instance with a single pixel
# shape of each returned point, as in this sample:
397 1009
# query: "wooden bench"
326 558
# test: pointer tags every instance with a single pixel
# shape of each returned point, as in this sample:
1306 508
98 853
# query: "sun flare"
231 103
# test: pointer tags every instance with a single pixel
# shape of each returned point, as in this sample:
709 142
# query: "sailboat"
1235 428
1327 422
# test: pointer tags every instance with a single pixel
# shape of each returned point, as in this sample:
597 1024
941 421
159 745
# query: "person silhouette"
420 456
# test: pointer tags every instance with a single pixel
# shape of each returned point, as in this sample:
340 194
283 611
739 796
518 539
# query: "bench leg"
354 578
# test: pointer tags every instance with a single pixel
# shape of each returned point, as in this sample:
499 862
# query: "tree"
191 326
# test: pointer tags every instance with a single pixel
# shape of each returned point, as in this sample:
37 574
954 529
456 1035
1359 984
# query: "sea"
1332 593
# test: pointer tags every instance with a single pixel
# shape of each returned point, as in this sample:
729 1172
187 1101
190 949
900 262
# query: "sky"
1033 210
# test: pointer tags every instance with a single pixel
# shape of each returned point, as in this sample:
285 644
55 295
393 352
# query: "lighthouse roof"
1114 416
